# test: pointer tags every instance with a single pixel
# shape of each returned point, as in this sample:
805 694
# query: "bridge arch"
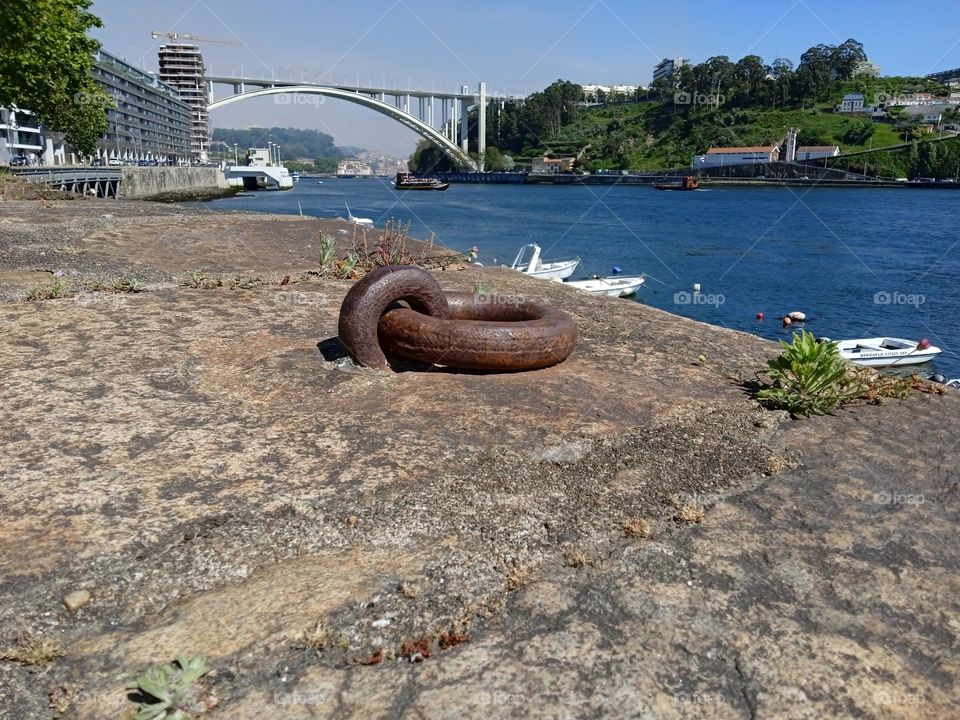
452 150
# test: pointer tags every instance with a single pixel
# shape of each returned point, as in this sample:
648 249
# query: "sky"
515 46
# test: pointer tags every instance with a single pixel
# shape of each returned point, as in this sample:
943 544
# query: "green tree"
427 157
45 62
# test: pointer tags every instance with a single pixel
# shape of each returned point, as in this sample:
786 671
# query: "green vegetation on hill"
724 103
294 143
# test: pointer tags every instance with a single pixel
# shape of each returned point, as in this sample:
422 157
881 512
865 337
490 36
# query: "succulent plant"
172 691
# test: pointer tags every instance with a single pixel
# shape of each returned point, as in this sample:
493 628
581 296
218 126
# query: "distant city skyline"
516 47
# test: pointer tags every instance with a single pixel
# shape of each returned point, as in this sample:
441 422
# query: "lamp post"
235 153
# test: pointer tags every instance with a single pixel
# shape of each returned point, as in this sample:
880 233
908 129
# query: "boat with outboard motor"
546 270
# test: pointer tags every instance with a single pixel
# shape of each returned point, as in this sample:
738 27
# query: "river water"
858 262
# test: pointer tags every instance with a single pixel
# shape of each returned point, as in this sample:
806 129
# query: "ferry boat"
687 183
409 181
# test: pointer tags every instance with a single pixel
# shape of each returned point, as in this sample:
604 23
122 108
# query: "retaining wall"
143 182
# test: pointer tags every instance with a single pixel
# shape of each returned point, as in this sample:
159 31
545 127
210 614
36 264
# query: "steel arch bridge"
455 152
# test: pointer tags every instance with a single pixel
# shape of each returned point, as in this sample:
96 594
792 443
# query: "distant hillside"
724 103
293 142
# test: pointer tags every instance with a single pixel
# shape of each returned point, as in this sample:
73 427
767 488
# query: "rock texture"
345 543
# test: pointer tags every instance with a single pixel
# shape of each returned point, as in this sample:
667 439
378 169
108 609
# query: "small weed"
33 650
577 558
328 253
318 638
452 638
637 528
482 289
47 292
417 651
689 514
409 591
174 691
811 378
518 575
126 284
199 279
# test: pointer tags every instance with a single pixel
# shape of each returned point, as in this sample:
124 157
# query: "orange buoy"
759 316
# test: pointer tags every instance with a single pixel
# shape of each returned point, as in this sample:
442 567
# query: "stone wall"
144 182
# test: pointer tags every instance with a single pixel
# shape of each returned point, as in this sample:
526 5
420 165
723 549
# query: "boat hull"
552 271
613 286
885 352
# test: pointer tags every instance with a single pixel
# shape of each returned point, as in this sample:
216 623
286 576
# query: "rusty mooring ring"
463 330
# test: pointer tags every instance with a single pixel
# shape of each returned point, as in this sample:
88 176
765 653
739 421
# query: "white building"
258 157
852 102
726 157
353 166
666 68
551 166
20 135
816 152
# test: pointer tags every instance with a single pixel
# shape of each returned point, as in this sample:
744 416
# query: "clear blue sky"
515 46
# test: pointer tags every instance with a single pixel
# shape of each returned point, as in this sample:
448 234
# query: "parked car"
114 162
18 161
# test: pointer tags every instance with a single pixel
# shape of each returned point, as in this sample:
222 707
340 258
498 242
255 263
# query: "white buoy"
797 316
696 287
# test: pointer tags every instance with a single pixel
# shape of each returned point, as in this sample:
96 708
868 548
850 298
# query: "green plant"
328 253
47 292
172 691
810 378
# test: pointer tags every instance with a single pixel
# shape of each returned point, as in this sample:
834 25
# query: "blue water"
858 262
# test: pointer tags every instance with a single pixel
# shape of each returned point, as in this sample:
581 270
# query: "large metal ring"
472 331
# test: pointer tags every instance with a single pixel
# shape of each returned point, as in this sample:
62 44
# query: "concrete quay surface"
625 535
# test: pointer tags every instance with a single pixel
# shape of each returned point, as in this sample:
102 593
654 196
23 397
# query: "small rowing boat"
886 351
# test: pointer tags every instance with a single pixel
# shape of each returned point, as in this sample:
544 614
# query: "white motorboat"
886 351
365 222
549 270
614 286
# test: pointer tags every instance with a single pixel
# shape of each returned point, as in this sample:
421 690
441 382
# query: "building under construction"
181 65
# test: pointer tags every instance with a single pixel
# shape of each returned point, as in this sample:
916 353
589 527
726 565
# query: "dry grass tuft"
689 514
33 650
637 528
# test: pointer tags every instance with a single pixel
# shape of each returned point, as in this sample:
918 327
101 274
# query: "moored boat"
547 270
687 183
886 351
614 286
409 181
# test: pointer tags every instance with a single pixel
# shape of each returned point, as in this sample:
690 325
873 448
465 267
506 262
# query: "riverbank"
626 534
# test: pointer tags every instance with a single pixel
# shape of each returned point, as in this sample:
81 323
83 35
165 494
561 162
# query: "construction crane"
183 36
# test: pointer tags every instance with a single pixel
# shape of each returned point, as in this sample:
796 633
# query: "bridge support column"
430 108
464 120
209 92
482 124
